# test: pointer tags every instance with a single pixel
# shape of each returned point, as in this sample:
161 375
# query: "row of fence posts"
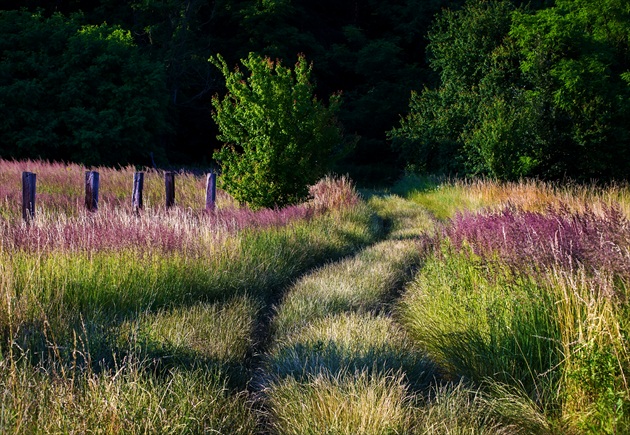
29 180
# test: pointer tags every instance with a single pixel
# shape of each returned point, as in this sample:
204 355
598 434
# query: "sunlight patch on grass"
220 332
362 283
341 403
349 342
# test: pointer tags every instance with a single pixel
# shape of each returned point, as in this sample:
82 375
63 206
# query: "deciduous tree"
77 92
279 138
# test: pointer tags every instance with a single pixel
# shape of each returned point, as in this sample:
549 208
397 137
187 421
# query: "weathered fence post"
169 184
136 196
91 190
29 180
211 191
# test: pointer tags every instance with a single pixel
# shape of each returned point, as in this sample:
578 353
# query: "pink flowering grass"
162 232
599 242
121 261
63 224
60 188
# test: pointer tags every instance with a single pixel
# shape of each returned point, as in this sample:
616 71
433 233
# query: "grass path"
324 325
337 361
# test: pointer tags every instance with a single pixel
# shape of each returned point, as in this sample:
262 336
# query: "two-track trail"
335 360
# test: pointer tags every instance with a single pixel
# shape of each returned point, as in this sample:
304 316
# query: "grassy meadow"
435 307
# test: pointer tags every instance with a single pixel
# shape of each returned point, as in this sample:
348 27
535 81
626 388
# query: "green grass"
348 343
481 322
61 283
218 332
441 197
136 338
338 362
458 409
341 403
363 283
406 219
555 340
541 349
361 318
219 335
128 399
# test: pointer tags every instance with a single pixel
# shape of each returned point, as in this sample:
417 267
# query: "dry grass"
341 403
446 197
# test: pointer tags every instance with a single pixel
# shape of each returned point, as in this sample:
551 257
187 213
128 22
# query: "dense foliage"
510 88
525 93
371 51
78 92
280 138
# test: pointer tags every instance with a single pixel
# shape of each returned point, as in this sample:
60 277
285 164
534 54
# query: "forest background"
500 88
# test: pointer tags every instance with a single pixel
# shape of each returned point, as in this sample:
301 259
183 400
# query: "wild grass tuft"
341 403
457 409
219 335
128 399
482 322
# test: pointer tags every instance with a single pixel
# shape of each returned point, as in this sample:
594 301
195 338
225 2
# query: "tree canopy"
280 138
525 93
371 51
506 88
85 93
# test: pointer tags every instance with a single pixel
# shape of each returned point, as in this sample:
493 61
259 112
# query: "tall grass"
122 263
115 322
338 362
498 325
126 400
515 320
527 297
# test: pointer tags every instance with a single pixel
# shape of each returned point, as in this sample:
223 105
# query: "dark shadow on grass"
302 360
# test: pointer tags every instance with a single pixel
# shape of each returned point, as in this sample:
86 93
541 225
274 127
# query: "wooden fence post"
169 184
136 195
29 180
91 190
211 191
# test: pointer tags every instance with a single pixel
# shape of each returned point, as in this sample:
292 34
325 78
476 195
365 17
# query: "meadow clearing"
432 307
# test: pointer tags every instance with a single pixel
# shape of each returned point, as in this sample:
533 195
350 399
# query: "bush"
279 138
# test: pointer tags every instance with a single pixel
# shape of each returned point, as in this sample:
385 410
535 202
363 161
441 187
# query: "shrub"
279 138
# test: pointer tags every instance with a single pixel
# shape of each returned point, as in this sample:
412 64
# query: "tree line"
370 51
525 92
502 88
